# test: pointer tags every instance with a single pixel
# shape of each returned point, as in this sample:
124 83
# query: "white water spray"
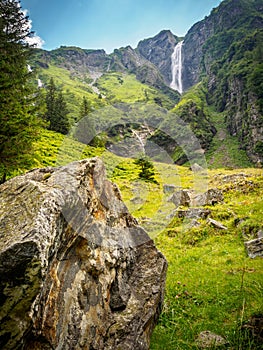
39 83
140 141
176 83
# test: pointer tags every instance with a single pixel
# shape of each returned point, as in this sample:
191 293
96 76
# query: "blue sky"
110 24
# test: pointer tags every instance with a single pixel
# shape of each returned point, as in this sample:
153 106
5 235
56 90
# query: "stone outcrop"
194 213
77 272
181 197
188 198
210 197
216 224
126 58
254 247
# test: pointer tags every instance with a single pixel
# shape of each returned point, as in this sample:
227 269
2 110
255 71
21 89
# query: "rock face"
196 57
78 61
210 49
77 272
126 58
158 50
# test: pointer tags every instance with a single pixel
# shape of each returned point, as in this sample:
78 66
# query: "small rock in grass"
207 340
217 224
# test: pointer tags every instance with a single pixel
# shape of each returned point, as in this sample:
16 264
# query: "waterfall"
140 141
39 83
176 57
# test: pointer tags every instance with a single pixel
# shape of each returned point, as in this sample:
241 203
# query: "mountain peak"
158 50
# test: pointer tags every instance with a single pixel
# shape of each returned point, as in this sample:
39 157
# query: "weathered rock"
210 197
76 270
194 213
158 50
196 167
216 224
254 247
181 197
137 200
209 340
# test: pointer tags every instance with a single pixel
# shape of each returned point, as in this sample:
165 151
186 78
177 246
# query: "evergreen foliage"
147 168
85 131
57 112
18 123
85 107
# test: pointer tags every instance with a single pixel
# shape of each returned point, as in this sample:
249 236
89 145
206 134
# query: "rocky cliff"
158 50
225 51
210 39
77 272
78 60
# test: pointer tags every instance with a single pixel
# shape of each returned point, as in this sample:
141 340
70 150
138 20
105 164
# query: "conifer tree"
85 131
61 123
57 112
147 168
51 101
85 108
18 124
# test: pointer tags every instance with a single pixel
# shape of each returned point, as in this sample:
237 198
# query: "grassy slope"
114 87
120 87
211 283
54 149
73 87
225 150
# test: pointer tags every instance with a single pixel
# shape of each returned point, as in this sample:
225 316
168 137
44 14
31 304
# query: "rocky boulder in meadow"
77 272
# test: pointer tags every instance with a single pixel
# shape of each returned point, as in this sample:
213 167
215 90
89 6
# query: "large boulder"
77 272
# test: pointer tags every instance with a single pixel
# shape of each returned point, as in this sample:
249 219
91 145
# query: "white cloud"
35 39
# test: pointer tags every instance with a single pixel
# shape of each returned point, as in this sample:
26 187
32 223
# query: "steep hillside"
102 79
85 67
225 50
211 38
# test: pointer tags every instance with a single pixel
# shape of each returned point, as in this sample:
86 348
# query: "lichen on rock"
77 272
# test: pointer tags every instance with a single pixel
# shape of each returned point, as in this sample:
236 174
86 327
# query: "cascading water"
140 141
39 83
176 83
